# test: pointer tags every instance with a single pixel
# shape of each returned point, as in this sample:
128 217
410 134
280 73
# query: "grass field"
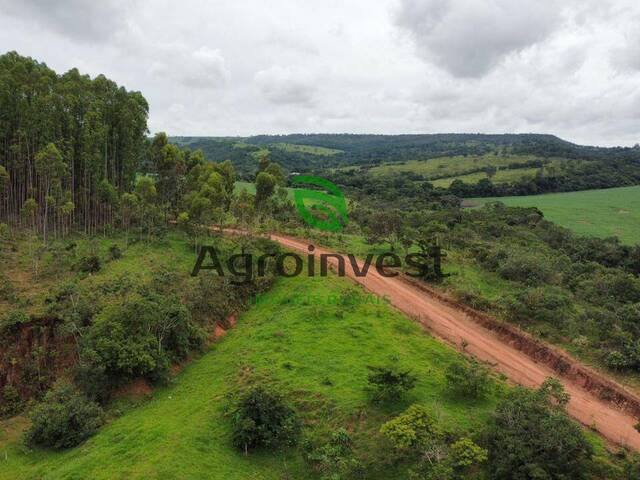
292 147
251 188
600 213
442 171
309 350
501 176
450 166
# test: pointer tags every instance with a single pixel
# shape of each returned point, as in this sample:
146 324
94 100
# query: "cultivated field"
601 213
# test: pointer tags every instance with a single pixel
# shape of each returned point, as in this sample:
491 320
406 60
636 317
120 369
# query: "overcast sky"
242 67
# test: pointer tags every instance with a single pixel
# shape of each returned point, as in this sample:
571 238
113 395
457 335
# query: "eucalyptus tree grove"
69 146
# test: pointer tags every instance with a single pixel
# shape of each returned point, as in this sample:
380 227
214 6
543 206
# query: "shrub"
7 292
12 321
90 264
64 419
114 252
469 380
413 429
544 304
465 454
140 337
531 437
389 383
10 402
261 419
334 460
526 267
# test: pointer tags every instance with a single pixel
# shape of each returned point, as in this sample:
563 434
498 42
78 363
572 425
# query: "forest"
70 146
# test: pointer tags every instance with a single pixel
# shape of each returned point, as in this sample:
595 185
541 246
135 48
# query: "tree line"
70 145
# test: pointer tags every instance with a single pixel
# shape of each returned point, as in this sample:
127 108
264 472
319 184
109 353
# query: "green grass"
450 166
292 147
600 213
138 259
501 176
308 350
250 187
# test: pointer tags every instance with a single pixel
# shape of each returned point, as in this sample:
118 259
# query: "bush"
261 419
531 437
90 264
114 252
544 304
413 429
10 402
139 338
389 383
334 460
12 321
64 419
526 267
7 292
469 380
464 454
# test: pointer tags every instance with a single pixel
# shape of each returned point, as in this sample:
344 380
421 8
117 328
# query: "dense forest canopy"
69 145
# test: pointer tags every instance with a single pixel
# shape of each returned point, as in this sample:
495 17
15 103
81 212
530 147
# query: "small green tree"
388 384
64 419
532 437
413 429
261 419
468 379
265 186
335 460
464 454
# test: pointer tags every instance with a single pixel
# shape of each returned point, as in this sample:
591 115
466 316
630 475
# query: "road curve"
454 326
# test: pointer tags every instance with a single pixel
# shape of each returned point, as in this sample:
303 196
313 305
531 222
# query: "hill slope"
317 352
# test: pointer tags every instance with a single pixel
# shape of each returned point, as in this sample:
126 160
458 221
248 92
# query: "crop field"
601 213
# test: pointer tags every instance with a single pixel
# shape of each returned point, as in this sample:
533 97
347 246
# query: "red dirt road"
454 326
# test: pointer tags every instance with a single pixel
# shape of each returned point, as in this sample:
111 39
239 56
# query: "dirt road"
454 326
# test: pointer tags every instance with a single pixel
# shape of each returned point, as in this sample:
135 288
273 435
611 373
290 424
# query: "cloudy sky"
242 67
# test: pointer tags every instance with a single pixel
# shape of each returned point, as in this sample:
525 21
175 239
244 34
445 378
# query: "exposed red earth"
502 347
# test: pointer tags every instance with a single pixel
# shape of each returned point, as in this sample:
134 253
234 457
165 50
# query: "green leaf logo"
307 200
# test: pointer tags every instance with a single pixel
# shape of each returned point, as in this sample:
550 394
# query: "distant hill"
586 166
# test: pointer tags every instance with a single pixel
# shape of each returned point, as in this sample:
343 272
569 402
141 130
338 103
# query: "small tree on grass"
532 437
64 419
468 379
420 441
388 384
335 460
261 419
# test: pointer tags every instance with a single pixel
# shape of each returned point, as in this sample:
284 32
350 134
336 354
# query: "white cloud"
470 37
201 68
389 66
286 85
87 21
